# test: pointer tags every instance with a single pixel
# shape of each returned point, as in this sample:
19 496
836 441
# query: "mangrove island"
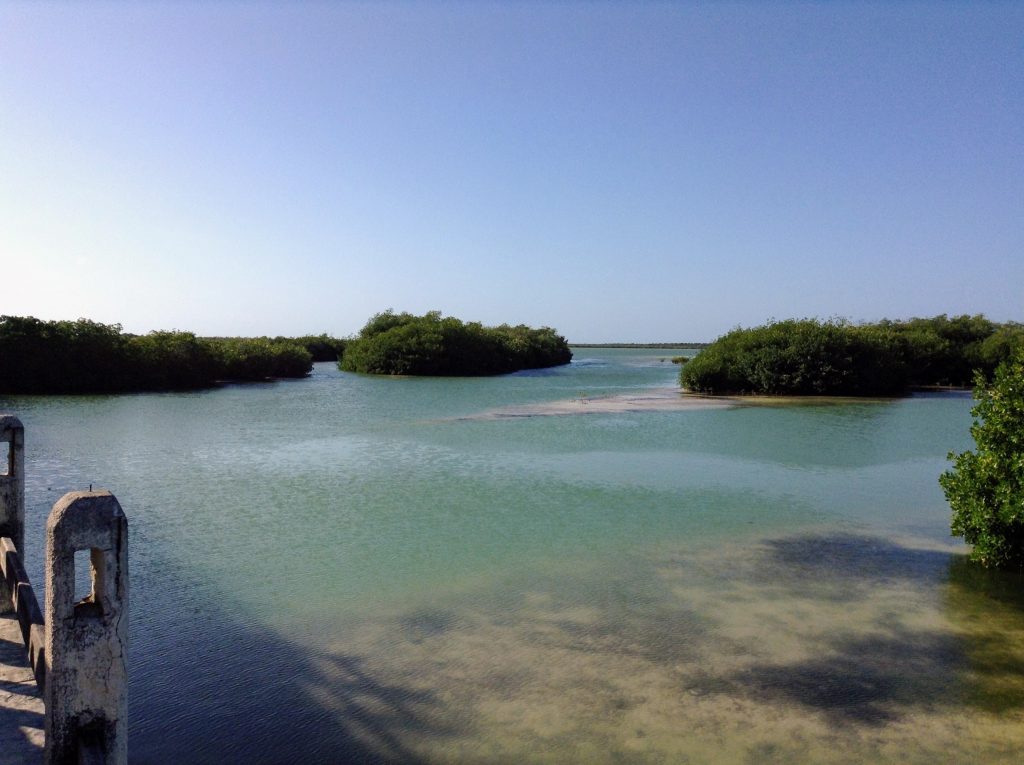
836 358
403 344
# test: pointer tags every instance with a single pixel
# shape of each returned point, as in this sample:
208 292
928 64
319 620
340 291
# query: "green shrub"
259 358
404 344
985 488
793 357
811 357
321 347
60 356
87 357
1001 344
169 361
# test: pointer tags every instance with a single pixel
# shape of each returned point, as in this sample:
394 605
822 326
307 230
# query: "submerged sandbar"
652 400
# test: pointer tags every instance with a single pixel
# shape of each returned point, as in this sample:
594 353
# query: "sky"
621 171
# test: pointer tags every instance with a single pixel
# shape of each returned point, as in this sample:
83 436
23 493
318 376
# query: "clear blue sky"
620 171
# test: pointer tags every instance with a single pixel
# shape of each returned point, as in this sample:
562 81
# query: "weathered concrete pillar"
12 492
86 642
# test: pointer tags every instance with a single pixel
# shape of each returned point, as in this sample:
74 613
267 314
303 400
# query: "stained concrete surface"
21 705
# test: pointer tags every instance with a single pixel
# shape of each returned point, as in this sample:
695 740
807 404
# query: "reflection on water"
351 569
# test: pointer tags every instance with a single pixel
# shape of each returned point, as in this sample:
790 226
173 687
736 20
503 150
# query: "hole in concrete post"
91 743
83 577
90 569
7 463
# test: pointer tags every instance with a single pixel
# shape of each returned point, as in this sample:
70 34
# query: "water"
356 569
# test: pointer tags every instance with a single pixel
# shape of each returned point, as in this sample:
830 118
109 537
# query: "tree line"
84 356
403 344
836 357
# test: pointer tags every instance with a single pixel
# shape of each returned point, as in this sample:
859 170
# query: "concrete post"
86 642
12 493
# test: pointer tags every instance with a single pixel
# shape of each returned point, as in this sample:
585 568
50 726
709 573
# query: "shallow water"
351 568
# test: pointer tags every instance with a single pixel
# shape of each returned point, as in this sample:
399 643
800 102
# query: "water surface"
351 568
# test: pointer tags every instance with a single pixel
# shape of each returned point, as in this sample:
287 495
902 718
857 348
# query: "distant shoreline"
662 346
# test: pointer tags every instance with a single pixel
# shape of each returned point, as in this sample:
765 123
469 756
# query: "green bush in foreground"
985 488
404 344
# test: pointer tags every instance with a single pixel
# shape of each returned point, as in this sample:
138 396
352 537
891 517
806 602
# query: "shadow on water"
873 674
869 680
423 624
211 689
1005 588
988 608
208 687
853 562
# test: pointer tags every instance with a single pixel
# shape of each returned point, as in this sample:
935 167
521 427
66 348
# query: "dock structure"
63 676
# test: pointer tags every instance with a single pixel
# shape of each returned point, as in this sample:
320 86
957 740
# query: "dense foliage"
88 357
321 347
404 344
811 357
985 488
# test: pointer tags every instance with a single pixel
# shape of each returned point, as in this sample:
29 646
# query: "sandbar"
652 400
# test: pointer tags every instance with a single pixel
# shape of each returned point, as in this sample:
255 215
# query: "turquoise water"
352 568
